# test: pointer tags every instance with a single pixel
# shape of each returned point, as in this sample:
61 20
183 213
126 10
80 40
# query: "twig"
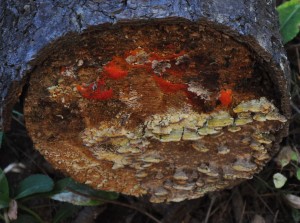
242 214
224 206
275 217
116 203
35 215
237 204
262 201
293 46
17 120
6 219
265 183
212 201
295 107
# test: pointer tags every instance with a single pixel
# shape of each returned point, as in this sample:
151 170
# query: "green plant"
288 156
42 186
67 190
288 160
14 206
289 18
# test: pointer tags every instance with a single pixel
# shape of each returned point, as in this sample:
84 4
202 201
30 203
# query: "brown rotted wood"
118 86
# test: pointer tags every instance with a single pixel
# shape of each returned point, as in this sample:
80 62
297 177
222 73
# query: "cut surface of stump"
167 110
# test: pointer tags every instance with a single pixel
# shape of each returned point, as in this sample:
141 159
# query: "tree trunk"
167 98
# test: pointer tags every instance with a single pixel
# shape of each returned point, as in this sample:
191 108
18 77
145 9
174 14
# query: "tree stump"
170 99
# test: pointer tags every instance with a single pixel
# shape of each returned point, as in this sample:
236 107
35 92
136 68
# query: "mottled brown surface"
216 62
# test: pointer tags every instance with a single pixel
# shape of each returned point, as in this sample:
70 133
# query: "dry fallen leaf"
284 156
293 200
13 210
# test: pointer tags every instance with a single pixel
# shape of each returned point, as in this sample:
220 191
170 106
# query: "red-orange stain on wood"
95 91
115 70
226 97
167 86
147 67
170 46
63 69
132 52
118 68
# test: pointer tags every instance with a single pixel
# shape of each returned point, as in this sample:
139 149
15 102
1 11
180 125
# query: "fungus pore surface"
167 110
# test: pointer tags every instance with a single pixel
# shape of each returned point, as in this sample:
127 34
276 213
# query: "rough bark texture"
33 33
29 27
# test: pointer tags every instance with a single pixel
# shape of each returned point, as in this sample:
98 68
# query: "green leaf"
298 174
295 156
279 180
76 199
65 211
65 190
296 215
289 18
24 218
4 191
83 188
37 183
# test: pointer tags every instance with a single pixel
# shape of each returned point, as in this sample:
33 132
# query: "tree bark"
33 31
29 28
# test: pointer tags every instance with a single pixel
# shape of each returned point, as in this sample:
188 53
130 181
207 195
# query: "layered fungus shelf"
167 110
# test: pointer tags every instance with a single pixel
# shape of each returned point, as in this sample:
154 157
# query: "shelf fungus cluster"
225 148
172 116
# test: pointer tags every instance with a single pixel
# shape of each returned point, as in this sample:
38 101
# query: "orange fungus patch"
119 67
114 70
167 86
226 97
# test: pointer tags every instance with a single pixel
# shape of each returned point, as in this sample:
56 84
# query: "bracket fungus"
171 108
